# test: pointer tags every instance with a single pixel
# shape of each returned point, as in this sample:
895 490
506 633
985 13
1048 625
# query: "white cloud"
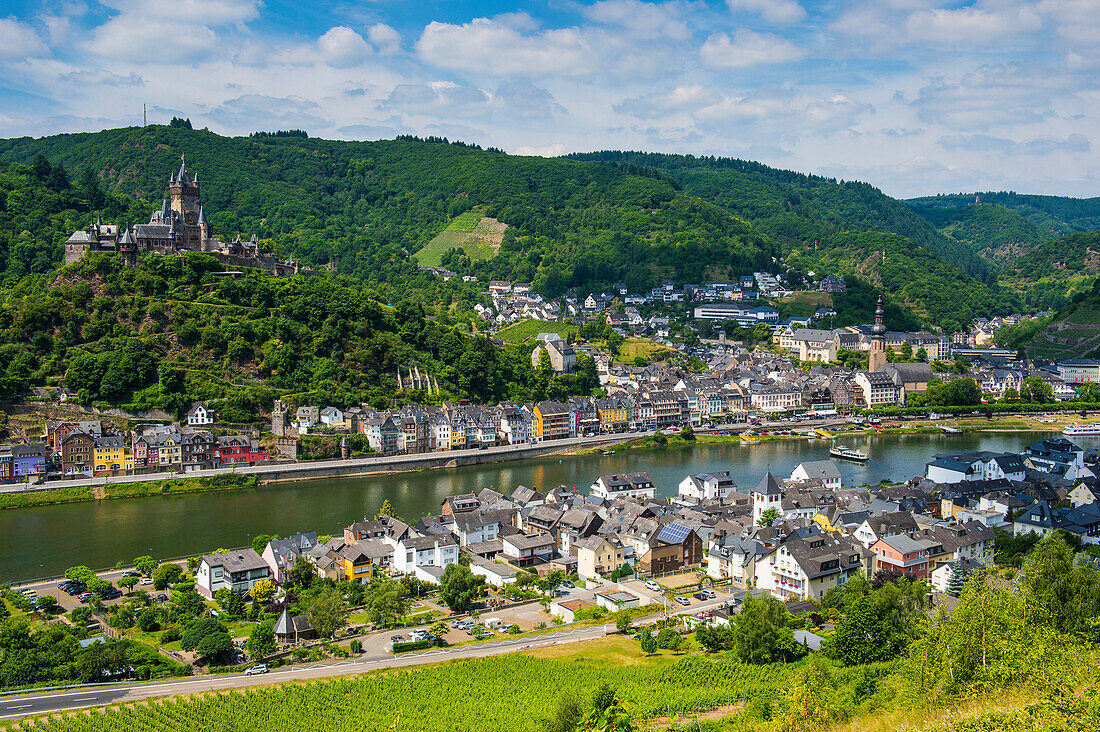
18 40
342 47
260 112
385 39
642 19
748 48
971 25
204 12
1038 146
661 104
990 96
137 39
444 98
488 46
543 151
780 12
99 77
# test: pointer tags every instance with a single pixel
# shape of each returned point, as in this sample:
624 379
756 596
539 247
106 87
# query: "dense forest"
1059 215
169 331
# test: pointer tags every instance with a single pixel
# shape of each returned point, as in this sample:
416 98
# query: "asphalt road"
22 705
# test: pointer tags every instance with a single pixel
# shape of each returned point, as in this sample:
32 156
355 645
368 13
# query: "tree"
328 612
386 509
957 580
260 542
166 574
183 123
1034 390
261 641
214 646
127 583
386 602
1060 594
649 643
770 516
1088 392
669 639
199 629
145 564
149 620
79 573
623 621
810 700
459 587
439 629
760 631
302 573
262 591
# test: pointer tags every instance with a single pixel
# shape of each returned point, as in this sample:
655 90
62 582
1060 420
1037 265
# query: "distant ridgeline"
179 225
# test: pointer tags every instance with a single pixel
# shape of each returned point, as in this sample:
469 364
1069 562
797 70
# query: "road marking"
20 706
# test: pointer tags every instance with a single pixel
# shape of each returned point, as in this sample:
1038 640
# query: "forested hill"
839 228
364 207
1059 215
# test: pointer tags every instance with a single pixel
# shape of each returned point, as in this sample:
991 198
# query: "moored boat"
849 453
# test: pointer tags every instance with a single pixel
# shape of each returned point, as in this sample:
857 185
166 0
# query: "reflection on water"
36 542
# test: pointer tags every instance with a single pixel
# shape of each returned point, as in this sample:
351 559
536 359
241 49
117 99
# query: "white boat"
1081 430
951 430
848 453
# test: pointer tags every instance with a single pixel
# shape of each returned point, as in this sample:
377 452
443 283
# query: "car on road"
683 600
259 668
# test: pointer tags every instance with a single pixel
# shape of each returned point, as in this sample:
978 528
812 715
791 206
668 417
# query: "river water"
44 541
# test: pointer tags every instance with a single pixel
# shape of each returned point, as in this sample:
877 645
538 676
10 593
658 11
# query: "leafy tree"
386 602
1060 594
770 516
145 564
149 620
260 542
80 573
327 612
386 509
623 621
214 646
262 591
166 574
811 702
127 583
459 588
302 573
199 629
439 629
649 643
261 641
761 633
1036 391
714 638
669 639
187 600
1088 392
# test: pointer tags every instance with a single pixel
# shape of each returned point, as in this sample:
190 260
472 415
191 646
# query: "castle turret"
184 195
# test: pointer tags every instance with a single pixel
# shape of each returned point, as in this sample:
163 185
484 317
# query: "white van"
494 623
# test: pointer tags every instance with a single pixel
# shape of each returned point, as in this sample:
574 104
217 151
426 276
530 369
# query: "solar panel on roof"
673 533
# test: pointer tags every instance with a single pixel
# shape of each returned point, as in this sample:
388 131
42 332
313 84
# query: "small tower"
878 340
767 494
345 448
279 418
204 229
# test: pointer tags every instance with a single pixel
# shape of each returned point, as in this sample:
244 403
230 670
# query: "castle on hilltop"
178 226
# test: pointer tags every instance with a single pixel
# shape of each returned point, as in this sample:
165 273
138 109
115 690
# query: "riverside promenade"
274 472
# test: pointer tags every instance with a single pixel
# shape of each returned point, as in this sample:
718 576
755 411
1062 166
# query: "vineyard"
515 692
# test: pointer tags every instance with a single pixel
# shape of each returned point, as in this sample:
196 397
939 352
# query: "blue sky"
914 96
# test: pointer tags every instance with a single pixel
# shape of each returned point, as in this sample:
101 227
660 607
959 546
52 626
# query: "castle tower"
183 192
767 494
279 418
878 341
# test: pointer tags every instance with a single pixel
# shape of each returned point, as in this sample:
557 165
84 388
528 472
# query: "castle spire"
202 216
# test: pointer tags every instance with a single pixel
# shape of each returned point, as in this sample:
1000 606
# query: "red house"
901 554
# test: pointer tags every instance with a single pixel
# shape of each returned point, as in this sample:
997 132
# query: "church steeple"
877 358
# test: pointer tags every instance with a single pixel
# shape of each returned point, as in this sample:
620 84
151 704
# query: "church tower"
183 192
878 340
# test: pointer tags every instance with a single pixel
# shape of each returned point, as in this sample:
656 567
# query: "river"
43 541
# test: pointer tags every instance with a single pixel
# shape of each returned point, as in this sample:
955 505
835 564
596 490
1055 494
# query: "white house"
707 486
235 570
199 415
424 551
808 568
631 485
495 573
824 470
331 415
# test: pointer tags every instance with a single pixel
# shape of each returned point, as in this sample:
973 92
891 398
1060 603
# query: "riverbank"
223 479
133 489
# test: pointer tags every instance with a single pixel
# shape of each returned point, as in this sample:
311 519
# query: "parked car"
111 593
75 588
683 601
131 573
259 668
699 596
708 594
567 583
29 593
419 635
86 596
651 585
146 581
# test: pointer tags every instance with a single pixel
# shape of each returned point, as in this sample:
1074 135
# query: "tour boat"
849 453
951 430
1080 430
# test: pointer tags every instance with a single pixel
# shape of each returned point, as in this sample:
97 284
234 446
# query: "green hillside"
843 228
1059 215
998 232
364 207
1074 332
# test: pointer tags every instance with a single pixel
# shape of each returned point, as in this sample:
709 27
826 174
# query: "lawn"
647 349
805 303
471 231
525 330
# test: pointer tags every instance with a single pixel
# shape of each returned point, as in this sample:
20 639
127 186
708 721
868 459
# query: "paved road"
302 469
23 705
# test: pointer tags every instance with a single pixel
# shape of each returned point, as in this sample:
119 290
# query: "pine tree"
957 580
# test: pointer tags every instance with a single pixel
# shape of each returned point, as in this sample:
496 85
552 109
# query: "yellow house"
357 565
823 521
110 455
612 414
596 556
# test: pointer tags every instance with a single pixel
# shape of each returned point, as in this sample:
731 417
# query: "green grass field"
470 231
805 303
525 330
643 347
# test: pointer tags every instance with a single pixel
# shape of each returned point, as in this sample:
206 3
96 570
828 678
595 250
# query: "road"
367 464
33 703
23 705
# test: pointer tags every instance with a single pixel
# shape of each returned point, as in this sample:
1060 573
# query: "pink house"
901 554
